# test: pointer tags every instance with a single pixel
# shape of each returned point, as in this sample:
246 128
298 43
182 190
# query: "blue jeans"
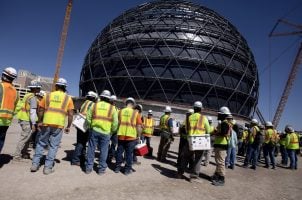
128 147
3 130
231 157
80 148
292 154
49 136
284 155
102 140
269 151
251 155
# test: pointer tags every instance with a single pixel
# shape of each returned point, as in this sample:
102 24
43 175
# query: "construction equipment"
294 69
62 43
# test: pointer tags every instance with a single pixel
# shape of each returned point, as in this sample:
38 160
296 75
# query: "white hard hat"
224 110
197 104
210 119
62 82
269 124
191 111
139 107
245 128
10 72
41 93
289 129
113 98
34 84
106 94
229 116
233 121
150 112
130 99
254 121
92 94
168 109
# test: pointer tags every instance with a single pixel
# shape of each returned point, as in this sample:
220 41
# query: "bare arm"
70 118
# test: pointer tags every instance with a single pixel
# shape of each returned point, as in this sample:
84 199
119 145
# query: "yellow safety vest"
148 126
212 129
127 123
293 141
24 111
270 136
244 135
196 125
8 102
56 109
253 133
164 122
102 116
221 139
283 141
86 105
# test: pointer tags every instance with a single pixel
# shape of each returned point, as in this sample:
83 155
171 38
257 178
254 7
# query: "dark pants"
251 155
127 147
292 154
3 130
182 143
112 148
269 151
164 145
80 148
242 149
284 155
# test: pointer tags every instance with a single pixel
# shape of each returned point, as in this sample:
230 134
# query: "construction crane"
294 70
62 43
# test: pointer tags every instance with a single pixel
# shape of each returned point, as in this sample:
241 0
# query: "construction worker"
284 155
270 141
78 157
198 126
9 99
183 140
232 143
148 129
113 138
102 118
53 110
130 128
139 109
253 145
27 117
209 152
220 146
292 146
166 135
243 146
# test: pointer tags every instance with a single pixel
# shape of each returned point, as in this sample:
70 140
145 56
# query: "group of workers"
116 132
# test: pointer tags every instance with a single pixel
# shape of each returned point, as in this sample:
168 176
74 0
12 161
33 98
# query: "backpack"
258 138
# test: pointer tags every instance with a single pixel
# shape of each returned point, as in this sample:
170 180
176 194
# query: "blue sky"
30 33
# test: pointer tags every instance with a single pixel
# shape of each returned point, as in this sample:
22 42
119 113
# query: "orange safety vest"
56 109
127 124
8 102
148 126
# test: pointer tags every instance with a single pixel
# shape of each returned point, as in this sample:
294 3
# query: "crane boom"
62 43
288 87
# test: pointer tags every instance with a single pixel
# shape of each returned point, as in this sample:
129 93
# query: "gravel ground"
152 179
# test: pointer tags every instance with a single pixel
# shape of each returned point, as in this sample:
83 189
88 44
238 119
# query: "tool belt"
166 134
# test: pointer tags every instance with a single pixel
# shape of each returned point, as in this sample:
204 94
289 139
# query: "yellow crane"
62 43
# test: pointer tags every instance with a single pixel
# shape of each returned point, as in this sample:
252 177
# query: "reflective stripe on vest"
55 108
102 116
148 126
8 101
86 105
164 122
196 124
23 114
127 123
270 136
294 141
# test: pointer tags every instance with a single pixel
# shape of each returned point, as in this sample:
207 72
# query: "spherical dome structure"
173 52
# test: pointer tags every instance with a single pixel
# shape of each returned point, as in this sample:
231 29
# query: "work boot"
214 177
34 168
136 162
219 181
253 167
48 171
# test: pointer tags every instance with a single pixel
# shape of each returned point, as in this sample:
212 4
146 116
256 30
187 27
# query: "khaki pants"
220 155
23 143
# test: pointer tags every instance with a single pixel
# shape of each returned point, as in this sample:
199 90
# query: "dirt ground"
152 179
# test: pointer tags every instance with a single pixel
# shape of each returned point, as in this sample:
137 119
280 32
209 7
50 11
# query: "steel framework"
175 52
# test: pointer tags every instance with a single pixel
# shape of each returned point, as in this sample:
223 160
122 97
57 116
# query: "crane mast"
62 43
